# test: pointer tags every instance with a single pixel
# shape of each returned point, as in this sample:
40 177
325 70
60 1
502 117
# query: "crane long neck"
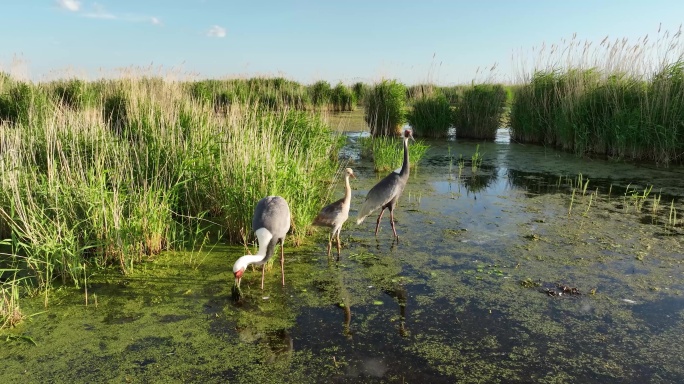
405 166
347 190
264 238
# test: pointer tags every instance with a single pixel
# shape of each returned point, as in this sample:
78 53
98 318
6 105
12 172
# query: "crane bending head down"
270 223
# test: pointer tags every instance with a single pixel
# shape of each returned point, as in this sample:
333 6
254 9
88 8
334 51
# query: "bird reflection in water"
401 295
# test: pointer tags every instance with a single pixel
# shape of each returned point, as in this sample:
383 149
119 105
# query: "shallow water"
469 293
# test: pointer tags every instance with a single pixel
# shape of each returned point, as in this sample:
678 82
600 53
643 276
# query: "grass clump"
10 313
388 152
320 93
608 100
342 98
480 111
431 116
75 94
386 108
360 91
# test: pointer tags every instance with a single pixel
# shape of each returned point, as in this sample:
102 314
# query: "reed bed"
430 116
480 111
342 98
386 108
620 99
117 177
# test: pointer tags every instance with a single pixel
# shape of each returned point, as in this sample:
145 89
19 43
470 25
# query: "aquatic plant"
132 175
320 93
388 152
10 313
480 111
610 99
476 159
430 116
360 91
342 98
386 108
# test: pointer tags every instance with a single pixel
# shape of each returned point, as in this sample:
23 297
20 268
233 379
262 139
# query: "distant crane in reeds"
386 193
335 214
271 222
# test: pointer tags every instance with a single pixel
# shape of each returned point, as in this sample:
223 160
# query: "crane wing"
329 213
382 193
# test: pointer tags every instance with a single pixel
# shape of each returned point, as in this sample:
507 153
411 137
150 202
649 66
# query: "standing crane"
271 222
335 214
385 193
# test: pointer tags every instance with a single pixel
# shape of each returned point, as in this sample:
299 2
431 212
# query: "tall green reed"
480 111
616 98
386 108
388 153
118 181
430 116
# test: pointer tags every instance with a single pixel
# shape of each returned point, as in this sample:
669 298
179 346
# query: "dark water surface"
479 288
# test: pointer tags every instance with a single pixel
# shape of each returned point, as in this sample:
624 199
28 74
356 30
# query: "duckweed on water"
444 304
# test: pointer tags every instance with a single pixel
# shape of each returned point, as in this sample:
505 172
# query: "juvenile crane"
271 222
335 214
385 194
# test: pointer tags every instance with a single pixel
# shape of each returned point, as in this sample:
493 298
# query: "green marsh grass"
342 98
430 116
131 175
388 152
10 313
386 108
320 93
360 91
621 99
480 111
476 159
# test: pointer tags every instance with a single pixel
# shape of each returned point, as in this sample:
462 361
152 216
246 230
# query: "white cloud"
69 5
100 15
216 31
155 21
99 12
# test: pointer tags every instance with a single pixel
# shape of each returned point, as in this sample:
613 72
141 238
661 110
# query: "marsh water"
500 274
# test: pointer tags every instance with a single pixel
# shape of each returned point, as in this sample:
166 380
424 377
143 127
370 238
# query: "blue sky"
307 40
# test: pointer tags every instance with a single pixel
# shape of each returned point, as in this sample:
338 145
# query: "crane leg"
282 259
330 237
378 223
339 247
263 272
392 222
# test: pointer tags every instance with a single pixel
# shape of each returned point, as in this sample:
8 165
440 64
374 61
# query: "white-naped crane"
385 193
335 214
271 222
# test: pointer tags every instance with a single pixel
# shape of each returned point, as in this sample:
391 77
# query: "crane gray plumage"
271 222
386 193
334 215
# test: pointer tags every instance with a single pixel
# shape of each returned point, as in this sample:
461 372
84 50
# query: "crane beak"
353 176
238 278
